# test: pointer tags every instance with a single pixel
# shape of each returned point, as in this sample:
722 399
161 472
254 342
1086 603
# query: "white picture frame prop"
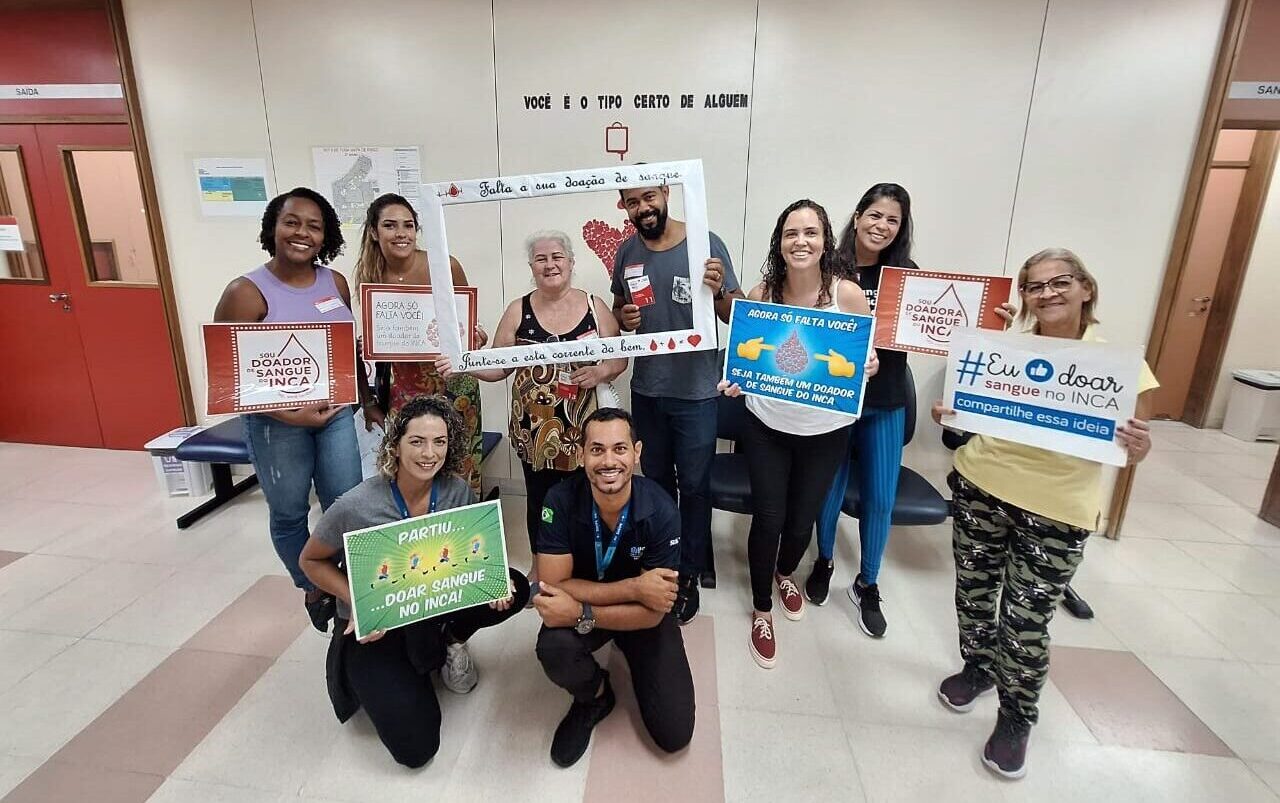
688 174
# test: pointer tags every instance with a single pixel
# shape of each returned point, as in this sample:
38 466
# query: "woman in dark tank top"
550 402
878 234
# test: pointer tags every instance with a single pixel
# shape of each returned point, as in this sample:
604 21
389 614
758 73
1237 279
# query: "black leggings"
790 476
659 668
400 701
536 484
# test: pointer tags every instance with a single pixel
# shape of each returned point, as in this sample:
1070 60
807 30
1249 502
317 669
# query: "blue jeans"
287 460
876 446
679 437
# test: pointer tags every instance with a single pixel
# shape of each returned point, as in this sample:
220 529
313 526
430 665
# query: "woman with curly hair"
389 254
387 672
550 402
792 450
315 443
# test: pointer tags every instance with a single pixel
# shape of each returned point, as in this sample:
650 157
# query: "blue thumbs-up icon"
1039 370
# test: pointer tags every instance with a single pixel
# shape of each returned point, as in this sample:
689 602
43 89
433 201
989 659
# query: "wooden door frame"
1235 259
151 200
1197 179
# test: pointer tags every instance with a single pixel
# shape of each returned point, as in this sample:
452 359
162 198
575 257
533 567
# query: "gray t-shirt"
692 375
370 504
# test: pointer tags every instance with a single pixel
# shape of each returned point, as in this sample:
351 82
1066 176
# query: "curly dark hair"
775 268
332 245
398 422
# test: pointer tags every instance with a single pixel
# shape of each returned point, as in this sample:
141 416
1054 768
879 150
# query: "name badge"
632 271
328 304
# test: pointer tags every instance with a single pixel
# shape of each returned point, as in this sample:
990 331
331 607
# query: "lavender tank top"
319 302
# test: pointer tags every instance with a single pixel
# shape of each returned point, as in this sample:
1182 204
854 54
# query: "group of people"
620 557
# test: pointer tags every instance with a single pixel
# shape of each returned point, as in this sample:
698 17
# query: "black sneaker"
708 579
867 600
687 599
573 734
961 691
818 585
321 610
1005 753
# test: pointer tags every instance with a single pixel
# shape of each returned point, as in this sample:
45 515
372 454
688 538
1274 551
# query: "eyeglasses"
1058 284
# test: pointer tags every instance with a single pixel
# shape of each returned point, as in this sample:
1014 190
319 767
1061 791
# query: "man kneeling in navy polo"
608 559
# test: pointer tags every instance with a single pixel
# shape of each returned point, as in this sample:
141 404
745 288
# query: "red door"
83 335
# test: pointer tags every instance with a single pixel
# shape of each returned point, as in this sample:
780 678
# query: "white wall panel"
197 71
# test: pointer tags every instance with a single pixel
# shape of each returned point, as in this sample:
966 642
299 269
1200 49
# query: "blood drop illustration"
791 358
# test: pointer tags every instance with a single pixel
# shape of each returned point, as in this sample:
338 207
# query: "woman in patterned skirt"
389 254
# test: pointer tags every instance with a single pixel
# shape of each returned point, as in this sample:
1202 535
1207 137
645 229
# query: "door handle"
63 298
1200 306
1203 299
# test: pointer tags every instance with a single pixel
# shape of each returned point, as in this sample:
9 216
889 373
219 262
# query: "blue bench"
223 446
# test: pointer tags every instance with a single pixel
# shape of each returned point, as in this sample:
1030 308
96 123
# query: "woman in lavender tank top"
315 443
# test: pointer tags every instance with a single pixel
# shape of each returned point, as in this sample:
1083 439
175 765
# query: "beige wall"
1252 344
1015 125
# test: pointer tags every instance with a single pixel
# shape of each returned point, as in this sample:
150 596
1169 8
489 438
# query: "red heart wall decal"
604 240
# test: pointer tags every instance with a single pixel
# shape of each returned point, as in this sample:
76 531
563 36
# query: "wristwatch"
587 621
720 294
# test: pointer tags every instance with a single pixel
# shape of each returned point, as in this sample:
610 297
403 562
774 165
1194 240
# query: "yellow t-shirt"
1050 484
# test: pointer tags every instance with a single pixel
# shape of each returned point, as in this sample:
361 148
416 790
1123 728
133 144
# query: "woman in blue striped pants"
878 234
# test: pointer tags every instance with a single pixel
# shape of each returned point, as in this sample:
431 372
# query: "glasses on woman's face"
1058 284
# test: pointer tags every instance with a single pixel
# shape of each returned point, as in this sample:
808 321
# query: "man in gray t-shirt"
673 397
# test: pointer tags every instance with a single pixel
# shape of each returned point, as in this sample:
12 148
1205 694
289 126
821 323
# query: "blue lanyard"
404 508
603 559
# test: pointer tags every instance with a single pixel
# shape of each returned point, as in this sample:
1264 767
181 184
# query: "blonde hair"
1078 270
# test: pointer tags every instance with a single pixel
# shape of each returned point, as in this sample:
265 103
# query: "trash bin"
1253 409
178 477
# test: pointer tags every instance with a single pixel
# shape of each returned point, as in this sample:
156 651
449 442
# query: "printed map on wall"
351 177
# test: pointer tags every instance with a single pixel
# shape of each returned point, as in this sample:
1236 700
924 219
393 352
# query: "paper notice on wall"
232 186
10 237
351 177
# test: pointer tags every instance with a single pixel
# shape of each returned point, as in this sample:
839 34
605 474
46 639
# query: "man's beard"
654 230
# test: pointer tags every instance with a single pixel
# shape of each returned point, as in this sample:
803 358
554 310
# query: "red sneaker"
791 598
763 644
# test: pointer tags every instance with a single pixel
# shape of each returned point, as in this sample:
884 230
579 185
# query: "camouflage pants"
1026 561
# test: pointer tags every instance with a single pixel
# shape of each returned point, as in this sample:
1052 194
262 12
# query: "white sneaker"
459 674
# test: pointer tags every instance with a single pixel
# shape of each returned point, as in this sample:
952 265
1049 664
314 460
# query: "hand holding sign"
815 363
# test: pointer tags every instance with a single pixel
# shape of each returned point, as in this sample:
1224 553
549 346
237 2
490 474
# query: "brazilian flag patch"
548 515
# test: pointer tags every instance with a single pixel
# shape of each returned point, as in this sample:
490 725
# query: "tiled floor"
138 662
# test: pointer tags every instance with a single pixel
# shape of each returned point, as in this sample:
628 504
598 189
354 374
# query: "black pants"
398 697
790 476
536 484
659 673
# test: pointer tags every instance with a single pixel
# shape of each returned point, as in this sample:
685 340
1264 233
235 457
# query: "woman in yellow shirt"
1021 516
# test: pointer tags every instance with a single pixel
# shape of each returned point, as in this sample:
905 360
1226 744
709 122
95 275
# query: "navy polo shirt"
650 540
